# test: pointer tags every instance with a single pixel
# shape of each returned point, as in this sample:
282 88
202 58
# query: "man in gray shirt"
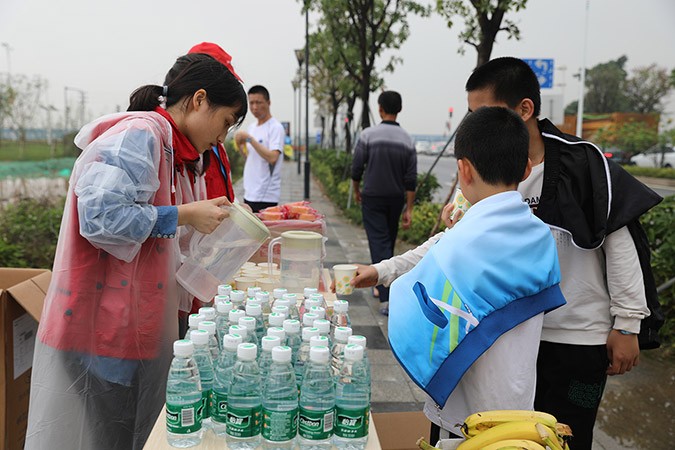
388 154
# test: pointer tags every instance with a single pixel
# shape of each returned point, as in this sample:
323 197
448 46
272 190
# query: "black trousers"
257 206
380 219
570 383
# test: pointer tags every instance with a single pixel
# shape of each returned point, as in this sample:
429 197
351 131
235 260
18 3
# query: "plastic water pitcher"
216 257
301 259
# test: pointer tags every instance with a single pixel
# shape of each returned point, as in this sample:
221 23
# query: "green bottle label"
219 407
243 422
280 426
316 425
183 419
351 423
205 408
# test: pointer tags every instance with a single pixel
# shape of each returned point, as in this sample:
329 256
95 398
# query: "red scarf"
183 150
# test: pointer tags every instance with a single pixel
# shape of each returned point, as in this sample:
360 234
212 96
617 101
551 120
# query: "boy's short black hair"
510 80
496 141
258 89
390 101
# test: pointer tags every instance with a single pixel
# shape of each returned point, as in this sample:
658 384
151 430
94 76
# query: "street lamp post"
300 56
296 85
307 163
582 80
9 83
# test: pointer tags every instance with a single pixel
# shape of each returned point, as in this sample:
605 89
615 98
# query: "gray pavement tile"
387 372
374 337
381 356
418 393
391 391
360 314
385 407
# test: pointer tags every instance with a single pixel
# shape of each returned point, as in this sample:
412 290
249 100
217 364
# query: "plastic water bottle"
340 341
308 319
308 302
202 356
277 332
280 309
340 317
352 401
302 357
250 324
224 289
237 298
267 343
264 298
244 403
183 398
317 402
362 341
292 305
222 320
218 299
235 315
193 324
221 382
293 336
320 311
241 331
276 319
278 293
306 292
319 296
280 402
318 341
214 349
255 311
208 312
324 329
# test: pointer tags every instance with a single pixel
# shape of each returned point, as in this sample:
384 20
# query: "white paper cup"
462 205
267 284
244 283
343 274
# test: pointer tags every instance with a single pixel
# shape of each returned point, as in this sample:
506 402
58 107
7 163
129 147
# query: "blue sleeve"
167 222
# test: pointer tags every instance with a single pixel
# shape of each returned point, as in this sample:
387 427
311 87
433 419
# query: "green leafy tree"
647 88
632 137
483 20
605 85
363 30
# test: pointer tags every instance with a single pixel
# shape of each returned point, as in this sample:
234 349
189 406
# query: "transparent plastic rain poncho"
111 312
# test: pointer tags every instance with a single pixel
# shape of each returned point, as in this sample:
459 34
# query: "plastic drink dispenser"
301 259
215 258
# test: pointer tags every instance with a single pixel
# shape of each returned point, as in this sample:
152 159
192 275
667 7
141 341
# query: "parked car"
617 155
423 147
656 156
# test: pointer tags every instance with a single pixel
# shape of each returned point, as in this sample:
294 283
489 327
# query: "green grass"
32 151
651 172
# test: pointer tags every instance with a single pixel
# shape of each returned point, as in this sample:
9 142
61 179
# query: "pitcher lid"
302 239
250 223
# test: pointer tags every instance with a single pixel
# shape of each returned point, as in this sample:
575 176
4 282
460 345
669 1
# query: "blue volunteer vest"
495 269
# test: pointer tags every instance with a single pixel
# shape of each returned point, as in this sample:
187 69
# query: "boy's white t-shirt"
262 180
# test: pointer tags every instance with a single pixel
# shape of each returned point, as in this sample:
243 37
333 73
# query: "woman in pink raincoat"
109 319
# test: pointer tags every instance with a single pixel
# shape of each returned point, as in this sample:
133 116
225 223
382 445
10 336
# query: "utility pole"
307 164
66 109
8 49
582 80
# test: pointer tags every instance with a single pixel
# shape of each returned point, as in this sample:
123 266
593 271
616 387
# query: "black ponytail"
145 98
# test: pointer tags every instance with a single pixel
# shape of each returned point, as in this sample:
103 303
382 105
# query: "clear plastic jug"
215 258
301 259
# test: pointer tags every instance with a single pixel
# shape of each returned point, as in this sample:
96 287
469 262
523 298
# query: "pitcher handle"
270 254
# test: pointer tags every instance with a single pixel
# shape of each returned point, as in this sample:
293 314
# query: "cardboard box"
401 430
22 293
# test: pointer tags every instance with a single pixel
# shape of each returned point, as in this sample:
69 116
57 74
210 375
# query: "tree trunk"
489 27
365 96
350 116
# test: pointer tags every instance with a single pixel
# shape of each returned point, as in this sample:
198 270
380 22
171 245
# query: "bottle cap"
319 354
224 307
208 312
231 341
310 302
358 339
237 296
199 337
353 352
318 341
343 334
235 315
279 292
281 354
183 348
308 332
269 342
340 306
276 319
292 297
319 311
248 323
281 309
236 329
263 296
276 331
308 319
194 319
323 325
208 326
247 352
218 299
291 326
317 296
253 310
224 289
250 292
309 291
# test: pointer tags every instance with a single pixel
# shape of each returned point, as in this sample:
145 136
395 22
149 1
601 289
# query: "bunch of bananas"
514 429
511 430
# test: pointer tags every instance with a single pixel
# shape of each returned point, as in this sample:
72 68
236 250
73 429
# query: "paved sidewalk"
392 390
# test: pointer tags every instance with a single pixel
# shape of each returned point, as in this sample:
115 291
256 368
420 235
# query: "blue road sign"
543 69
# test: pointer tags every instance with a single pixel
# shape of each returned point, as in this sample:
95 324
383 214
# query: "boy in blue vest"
466 321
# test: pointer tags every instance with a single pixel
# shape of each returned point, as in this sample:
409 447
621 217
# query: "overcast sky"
108 49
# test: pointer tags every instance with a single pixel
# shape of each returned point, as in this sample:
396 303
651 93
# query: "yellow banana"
510 430
548 436
482 421
518 444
